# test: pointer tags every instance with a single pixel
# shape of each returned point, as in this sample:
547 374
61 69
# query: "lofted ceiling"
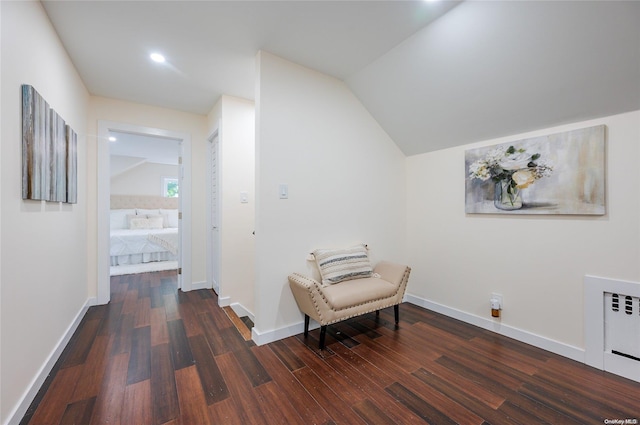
433 74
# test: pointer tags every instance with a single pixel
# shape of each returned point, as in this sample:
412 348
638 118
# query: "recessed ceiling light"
157 57
112 139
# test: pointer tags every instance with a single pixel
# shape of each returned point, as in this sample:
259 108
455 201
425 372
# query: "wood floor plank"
213 385
286 356
335 406
79 412
193 407
362 330
226 412
239 324
275 408
374 391
465 384
349 391
157 297
93 370
364 366
590 382
582 409
171 307
122 338
306 406
507 356
111 322
140 358
164 395
408 343
394 366
180 350
218 315
143 313
212 333
54 403
498 380
77 350
137 404
130 302
240 388
473 404
447 405
371 413
499 384
252 368
419 406
159 330
190 318
111 396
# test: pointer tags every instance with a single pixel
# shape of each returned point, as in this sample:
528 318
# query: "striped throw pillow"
337 265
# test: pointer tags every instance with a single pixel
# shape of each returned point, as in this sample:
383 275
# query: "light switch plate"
284 191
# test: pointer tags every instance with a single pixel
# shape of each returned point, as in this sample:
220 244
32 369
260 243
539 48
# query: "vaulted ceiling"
434 74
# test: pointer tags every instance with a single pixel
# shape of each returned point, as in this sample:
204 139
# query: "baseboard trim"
261 338
544 343
27 398
564 350
224 301
200 285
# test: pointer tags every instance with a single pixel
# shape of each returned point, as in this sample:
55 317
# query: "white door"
214 211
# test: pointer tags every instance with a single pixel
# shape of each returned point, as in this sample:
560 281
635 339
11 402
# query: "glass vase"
506 197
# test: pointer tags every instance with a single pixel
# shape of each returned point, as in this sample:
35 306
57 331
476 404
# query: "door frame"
212 250
103 201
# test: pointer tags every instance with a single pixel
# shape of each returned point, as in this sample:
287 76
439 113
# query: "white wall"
38 303
145 179
149 116
536 262
346 181
236 120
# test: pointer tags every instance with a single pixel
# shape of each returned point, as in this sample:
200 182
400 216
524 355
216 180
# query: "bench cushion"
359 291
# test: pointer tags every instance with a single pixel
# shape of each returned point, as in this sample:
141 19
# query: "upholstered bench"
361 291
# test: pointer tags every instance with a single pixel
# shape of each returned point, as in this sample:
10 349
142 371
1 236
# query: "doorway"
103 201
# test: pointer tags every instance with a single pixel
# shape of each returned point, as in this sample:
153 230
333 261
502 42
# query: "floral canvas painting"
562 173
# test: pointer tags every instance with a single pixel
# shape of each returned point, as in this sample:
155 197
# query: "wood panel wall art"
49 152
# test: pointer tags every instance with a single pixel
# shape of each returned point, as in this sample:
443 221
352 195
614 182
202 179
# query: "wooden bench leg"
396 310
323 333
306 324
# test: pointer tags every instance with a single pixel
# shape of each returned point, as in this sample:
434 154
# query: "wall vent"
622 325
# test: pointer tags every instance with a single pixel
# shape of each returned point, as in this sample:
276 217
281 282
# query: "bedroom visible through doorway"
144 195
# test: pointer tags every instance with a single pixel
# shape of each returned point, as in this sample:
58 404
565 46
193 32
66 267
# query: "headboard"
142 201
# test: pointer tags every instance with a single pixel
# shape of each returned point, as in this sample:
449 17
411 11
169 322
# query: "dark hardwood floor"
156 355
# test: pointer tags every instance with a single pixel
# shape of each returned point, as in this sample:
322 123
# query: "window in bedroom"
170 187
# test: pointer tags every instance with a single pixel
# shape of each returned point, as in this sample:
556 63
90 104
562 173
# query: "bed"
143 229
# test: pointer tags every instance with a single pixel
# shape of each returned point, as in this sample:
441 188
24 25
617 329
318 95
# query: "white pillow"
337 265
138 222
155 221
118 219
170 218
141 211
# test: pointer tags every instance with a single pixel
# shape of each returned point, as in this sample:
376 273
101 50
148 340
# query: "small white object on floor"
156 266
